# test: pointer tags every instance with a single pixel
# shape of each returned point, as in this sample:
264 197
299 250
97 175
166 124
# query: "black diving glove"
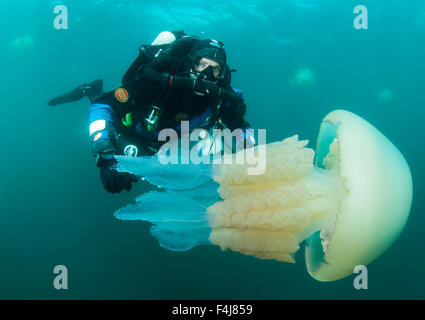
112 180
240 109
210 89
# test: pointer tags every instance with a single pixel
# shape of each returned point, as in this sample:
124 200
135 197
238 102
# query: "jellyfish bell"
350 206
385 96
22 45
303 78
376 200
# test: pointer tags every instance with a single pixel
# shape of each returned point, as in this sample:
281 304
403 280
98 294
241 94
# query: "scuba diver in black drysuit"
177 78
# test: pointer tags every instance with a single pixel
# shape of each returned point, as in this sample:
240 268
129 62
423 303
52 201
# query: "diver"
178 77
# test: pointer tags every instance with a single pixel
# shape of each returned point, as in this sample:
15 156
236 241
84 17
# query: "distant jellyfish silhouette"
385 96
350 206
22 45
303 78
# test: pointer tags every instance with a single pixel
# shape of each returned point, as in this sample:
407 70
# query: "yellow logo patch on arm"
121 95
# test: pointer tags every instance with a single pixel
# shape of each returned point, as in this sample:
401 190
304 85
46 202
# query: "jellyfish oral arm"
268 216
325 190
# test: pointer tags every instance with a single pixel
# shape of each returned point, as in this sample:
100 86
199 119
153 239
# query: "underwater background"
53 208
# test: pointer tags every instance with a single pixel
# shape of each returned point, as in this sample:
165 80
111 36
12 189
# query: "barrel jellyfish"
385 96
349 200
303 79
22 45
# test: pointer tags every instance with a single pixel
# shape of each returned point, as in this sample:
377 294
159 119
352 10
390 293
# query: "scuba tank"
148 52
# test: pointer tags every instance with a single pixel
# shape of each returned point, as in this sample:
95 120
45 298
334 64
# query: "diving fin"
92 90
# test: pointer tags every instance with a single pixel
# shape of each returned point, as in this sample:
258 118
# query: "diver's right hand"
203 87
197 85
207 88
114 181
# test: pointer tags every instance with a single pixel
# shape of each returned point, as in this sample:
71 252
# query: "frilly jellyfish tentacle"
179 213
181 240
179 229
172 176
205 194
